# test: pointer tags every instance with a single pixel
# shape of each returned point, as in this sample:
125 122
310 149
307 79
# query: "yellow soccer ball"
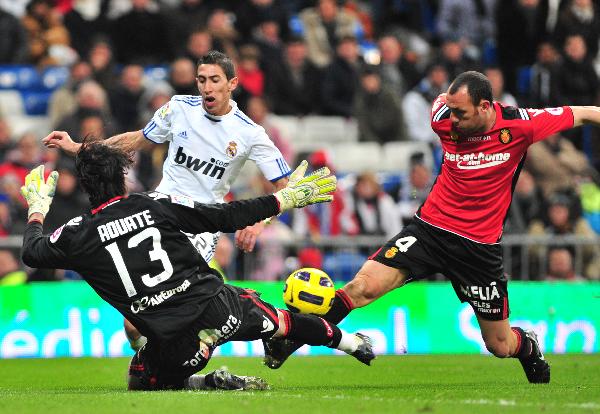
309 290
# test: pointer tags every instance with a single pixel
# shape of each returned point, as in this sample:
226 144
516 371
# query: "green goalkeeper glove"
302 191
37 192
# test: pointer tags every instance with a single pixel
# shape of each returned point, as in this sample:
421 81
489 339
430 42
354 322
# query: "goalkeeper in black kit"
131 250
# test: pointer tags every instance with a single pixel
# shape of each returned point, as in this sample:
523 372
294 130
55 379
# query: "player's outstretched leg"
531 358
277 350
313 330
222 379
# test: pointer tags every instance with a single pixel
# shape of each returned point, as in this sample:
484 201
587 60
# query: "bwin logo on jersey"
214 168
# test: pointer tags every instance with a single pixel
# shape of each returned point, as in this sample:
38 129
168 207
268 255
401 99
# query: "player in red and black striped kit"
132 251
458 228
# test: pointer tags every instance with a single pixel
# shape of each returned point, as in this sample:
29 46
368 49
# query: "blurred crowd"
379 62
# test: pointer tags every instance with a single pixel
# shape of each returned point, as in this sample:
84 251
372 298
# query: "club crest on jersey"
391 252
454 136
231 149
505 136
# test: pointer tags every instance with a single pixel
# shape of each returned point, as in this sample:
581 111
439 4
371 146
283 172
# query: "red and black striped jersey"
473 190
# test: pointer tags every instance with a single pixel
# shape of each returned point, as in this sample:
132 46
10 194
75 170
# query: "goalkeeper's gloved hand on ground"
38 192
302 191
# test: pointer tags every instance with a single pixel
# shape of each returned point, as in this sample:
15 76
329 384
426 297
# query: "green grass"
307 385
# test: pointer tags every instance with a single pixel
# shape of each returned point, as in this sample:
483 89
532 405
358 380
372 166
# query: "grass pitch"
310 385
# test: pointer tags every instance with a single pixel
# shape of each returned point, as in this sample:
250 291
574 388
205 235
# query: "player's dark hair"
478 86
217 58
101 171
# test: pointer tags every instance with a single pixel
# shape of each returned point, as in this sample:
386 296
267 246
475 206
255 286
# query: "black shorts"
235 314
475 269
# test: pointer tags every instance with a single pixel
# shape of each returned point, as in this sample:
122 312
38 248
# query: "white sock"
349 342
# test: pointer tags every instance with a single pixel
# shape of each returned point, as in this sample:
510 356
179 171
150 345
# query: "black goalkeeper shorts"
475 269
235 314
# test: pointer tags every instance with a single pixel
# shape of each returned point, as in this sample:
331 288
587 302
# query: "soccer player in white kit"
210 139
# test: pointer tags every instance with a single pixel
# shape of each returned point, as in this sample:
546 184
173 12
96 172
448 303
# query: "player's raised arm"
586 115
300 192
127 141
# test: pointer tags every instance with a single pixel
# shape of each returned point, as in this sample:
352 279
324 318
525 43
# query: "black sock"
524 345
342 305
311 330
209 380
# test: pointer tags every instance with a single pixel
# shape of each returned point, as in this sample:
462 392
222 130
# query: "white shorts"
205 243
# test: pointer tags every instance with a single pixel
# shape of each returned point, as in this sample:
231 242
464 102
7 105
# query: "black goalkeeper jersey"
132 251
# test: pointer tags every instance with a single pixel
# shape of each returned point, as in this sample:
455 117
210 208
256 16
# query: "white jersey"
207 152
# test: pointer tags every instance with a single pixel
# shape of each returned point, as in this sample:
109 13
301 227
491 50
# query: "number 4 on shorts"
404 243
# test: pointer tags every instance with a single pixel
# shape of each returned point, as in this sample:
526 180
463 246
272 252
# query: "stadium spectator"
578 82
6 141
26 154
224 36
5 212
258 111
331 219
267 36
556 164
521 27
294 86
141 35
560 266
417 103
183 20
84 21
124 98
341 78
377 110
182 328
362 15
63 100
471 22
324 26
101 58
250 15
251 76
543 88
48 39
414 189
92 124
398 73
91 98
373 210
563 218
580 17
391 15
310 257
11 274
13 170
198 44
454 58
457 230
69 201
528 204
494 74
13 39
223 256
182 77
